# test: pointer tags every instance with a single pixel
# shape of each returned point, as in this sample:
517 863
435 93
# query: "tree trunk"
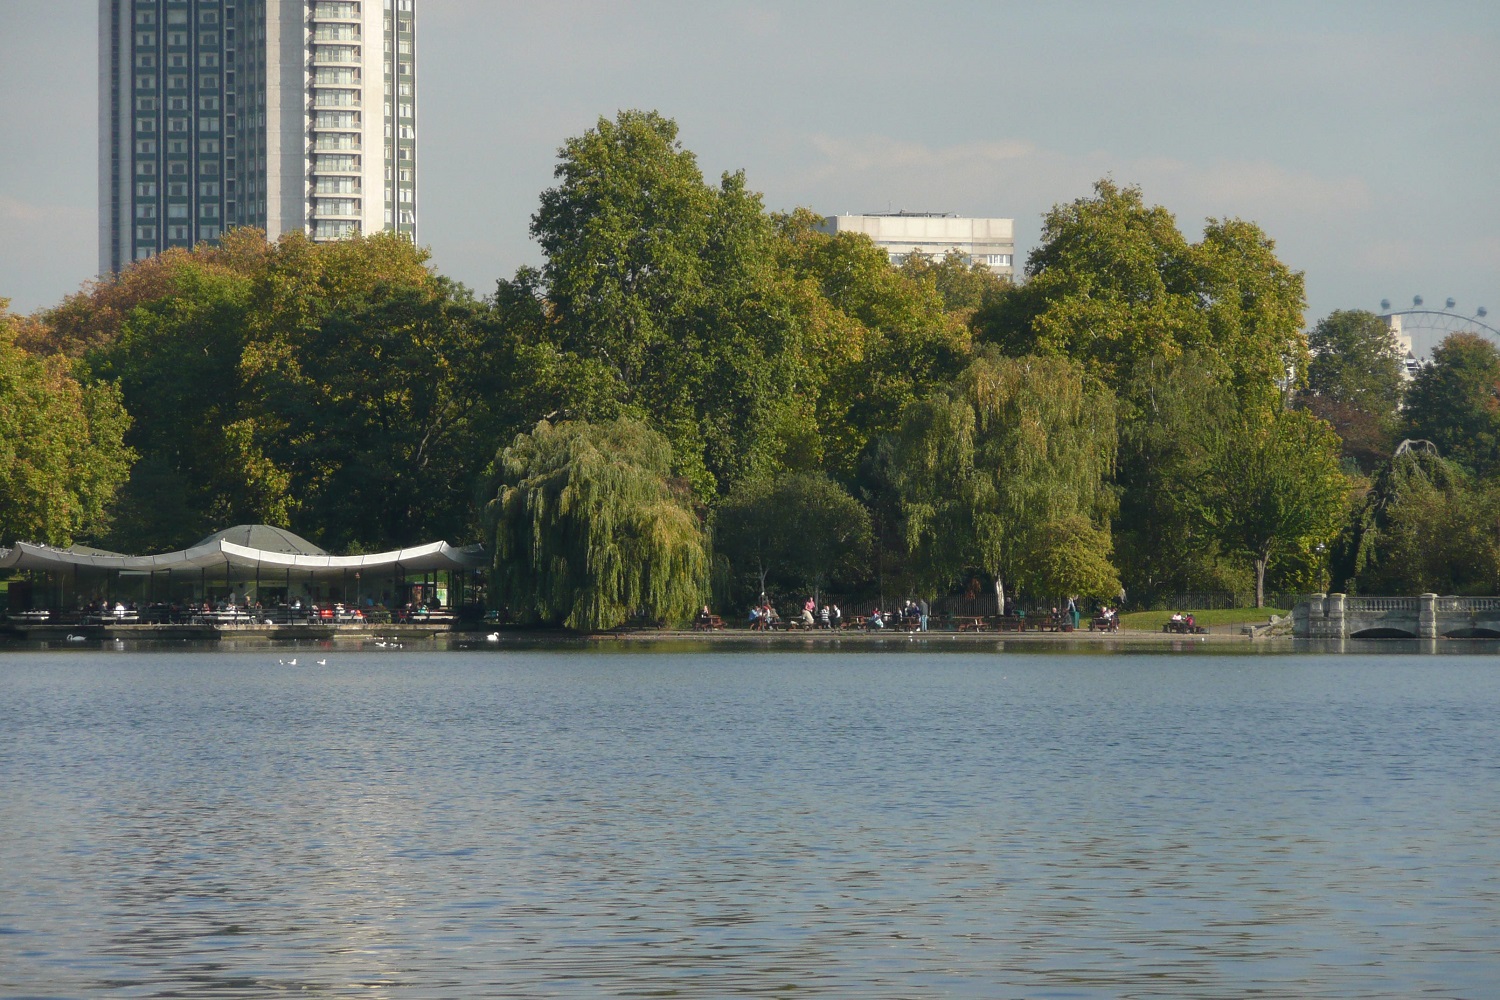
999 594
1260 580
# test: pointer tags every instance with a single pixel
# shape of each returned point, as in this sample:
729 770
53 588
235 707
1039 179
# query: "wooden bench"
709 624
1103 624
1011 623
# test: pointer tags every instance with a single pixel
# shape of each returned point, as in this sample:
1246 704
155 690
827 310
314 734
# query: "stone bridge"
1338 616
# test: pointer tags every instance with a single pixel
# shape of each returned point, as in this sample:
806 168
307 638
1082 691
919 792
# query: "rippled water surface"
705 823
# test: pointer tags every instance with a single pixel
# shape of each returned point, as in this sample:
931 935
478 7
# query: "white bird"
76 638
322 663
492 637
292 662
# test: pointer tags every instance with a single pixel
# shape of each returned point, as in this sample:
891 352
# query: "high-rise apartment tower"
278 114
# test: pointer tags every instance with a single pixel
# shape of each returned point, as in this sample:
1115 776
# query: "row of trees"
692 395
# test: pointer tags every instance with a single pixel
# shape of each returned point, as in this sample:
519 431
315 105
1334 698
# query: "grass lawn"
1152 621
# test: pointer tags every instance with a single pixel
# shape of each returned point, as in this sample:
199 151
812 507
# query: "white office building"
277 114
991 242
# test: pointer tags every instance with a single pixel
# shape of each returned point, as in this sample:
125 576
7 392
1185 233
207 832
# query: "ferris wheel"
1425 326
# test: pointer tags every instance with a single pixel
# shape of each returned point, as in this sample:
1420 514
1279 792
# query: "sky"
1363 137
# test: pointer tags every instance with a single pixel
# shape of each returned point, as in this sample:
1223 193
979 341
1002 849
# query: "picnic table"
971 623
1055 623
707 624
1100 623
1184 628
1011 623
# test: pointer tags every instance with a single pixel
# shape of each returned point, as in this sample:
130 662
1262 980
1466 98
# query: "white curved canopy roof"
417 559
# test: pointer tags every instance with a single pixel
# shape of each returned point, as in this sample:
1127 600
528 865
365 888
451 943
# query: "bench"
709 624
1010 623
1183 628
1103 624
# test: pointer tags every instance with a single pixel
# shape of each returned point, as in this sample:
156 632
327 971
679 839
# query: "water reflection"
593 822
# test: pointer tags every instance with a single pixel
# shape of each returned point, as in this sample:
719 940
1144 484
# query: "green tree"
1355 381
663 301
1455 402
62 451
1007 470
800 530
1114 282
176 362
1274 488
962 286
876 339
588 527
1425 526
1173 414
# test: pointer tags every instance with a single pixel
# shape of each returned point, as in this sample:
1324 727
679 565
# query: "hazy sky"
1364 137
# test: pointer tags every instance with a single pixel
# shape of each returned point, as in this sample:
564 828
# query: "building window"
208 211
177 146
208 232
146 190
178 232
145 17
177 168
146 168
145 146
145 211
208 145
208 124
177 17
145 233
208 60
145 60
145 124
208 189
208 81
177 82
209 38
145 253
177 211
177 190
145 83
145 39
177 38
177 61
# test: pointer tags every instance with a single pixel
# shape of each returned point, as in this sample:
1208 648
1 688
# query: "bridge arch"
1472 632
1383 633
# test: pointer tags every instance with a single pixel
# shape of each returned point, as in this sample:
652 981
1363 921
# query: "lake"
698 821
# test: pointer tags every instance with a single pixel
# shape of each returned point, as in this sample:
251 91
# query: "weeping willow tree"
1007 471
589 529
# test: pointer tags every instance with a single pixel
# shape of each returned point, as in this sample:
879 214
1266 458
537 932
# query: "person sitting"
704 617
836 618
756 621
875 620
824 617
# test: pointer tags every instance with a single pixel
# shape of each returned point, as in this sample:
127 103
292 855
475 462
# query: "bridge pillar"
1427 616
1334 626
